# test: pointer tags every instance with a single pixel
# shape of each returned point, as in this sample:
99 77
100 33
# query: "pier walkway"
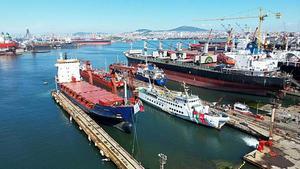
107 145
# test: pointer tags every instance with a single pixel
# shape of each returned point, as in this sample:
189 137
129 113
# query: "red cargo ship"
91 41
105 106
7 46
100 77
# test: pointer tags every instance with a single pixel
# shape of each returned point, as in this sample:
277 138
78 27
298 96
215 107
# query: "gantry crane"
261 17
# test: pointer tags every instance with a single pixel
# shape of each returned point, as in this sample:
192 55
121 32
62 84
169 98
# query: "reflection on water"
5 61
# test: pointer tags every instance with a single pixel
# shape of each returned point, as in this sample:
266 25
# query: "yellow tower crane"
261 17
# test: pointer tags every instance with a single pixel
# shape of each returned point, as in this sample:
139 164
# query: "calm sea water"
35 133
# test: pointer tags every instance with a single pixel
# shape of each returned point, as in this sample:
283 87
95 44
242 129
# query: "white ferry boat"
183 105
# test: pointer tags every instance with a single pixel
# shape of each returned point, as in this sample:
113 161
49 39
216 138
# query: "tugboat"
104 106
183 105
143 72
150 71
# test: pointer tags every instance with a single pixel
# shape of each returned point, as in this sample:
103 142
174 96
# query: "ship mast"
185 88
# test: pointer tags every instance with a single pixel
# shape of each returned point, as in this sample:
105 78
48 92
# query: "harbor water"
35 133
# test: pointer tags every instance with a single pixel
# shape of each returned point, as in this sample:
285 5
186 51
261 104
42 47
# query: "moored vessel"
98 77
143 72
7 45
244 109
146 72
91 41
183 105
105 106
204 71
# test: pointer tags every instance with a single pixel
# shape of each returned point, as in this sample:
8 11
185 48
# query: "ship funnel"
205 50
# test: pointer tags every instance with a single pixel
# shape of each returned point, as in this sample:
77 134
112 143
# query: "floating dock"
107 145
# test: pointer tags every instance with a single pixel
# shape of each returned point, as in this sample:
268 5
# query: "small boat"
150 71
244 109
143 72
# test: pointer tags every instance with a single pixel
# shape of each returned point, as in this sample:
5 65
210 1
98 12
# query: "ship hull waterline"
109 120
189 76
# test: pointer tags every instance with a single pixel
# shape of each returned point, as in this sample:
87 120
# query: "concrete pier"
287 155
107 145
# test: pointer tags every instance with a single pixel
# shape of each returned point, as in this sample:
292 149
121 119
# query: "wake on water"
250 141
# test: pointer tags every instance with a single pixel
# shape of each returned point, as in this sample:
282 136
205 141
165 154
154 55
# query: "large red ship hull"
8 45
92 42
105 106
215 84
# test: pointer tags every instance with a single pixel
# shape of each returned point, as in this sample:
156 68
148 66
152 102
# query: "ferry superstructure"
183 105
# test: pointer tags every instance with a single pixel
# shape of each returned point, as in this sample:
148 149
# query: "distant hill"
188 29
178 29
143 30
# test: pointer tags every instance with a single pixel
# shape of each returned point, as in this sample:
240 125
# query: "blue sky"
63 16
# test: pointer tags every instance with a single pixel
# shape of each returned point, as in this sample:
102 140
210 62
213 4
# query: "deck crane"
261 17
229 41
245 30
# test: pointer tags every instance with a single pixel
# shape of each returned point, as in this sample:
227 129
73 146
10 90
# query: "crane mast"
261 17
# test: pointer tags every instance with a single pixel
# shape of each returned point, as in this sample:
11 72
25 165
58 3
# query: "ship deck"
109 148
92 93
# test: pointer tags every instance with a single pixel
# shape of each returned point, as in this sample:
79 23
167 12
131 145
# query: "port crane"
229 31
261 17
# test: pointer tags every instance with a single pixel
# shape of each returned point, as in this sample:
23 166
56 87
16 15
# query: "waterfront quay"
284 153
107 145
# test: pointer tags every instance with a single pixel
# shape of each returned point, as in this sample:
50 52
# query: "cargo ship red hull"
8 48
92 42
215 84
107 107
8 45
100 80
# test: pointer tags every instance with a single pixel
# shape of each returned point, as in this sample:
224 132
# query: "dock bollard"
162 160
102 153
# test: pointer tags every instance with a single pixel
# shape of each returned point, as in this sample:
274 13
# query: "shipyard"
135 85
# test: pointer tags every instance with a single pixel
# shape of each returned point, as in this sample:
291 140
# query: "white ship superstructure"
183 105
